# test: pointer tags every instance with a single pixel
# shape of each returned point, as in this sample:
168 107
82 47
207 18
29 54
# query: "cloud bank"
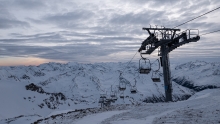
100 31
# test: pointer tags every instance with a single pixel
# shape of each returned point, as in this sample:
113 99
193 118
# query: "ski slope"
202 108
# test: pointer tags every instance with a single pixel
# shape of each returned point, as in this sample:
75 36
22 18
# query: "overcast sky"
88 31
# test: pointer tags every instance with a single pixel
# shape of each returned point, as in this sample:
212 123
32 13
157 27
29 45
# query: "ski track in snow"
203 109
147 120
97 118
151 118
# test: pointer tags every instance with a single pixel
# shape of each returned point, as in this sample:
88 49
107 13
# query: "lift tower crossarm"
175 45
153 41
166 29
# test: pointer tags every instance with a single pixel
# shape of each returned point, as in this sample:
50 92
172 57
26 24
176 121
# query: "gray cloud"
67 52
29 4
70 19
24 4
152 2
7 20
89 31
37 38
143 18
59 37
11 23
20 50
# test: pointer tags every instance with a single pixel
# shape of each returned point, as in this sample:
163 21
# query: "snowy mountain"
36 92
198 75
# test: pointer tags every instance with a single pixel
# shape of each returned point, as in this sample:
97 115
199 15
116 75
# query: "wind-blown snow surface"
183 112
31 93
201 108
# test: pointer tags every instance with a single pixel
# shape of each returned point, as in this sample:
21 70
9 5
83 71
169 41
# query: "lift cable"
210 32
130 61
157 60
127 65
197 17
154 61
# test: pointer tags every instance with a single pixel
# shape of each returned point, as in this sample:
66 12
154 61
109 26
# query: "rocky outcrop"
54 100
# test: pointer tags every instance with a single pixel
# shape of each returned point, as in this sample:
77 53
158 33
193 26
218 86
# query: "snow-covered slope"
40 90
201 108
198 75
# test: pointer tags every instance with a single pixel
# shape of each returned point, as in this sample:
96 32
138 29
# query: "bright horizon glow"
20 61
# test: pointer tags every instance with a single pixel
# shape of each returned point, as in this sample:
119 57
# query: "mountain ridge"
53 86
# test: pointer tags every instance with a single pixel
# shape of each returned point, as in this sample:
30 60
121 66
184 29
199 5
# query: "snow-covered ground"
41 93
97 118
202 108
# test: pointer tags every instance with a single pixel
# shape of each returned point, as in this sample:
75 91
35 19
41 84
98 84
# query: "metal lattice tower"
166 39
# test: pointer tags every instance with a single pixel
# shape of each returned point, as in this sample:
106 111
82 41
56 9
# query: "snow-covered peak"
191 65
198 74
